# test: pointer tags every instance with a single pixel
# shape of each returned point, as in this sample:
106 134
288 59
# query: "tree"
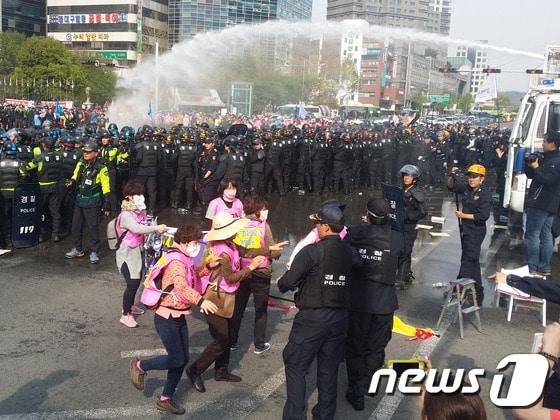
465 102
49 66
10 44
349 78
502 102
417 100
102 82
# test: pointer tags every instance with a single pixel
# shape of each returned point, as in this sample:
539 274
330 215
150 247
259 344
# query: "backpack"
113 239
152 293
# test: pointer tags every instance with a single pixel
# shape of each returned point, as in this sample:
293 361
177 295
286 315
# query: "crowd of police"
183 166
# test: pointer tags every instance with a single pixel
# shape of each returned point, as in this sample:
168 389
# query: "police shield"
394 197
26 220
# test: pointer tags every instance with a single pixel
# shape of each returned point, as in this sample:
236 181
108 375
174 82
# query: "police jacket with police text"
374 268
477 202
321 273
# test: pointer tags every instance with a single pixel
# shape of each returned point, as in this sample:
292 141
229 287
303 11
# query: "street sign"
439 99
110 55
547 82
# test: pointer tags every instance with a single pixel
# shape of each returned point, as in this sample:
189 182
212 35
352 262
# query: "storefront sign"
111 55
88 18
87 36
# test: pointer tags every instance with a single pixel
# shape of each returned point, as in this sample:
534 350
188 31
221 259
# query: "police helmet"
10 149
410 170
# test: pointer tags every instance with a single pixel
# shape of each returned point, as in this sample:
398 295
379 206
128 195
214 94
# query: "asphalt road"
64 355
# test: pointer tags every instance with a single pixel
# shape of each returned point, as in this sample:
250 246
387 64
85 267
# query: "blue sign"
547 82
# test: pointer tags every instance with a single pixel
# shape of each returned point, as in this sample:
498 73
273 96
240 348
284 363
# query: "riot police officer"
476 202
321 273
320 155
11 174
207 184
256 167
92 188
108 154
232 164
187 153
167 166
373 299
146 155
414 211
48 166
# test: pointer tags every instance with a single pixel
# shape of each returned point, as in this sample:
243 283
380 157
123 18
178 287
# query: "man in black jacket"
543 203
321 274
373 298
414 211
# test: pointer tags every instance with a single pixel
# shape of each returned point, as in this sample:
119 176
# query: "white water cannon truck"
539 113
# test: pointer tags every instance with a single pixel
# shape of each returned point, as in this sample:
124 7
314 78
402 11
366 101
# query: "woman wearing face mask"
256 234
221 285
226 201
181 279
129 254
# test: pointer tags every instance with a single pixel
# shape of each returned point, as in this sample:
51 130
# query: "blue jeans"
538 239
175 338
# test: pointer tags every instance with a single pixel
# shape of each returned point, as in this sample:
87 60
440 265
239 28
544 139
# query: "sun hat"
224 226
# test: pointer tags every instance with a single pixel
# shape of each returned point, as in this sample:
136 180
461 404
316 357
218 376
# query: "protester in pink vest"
132 219
226 201
223 279
170 317
257 233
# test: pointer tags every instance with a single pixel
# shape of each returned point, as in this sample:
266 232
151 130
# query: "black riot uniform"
304 149
70 158
414 211
375 158
273 166
207 183
479 203
146 156
167 169
387 157
11 174
320 156
48 167
439 162
256 167
187 154
343 153
321 273
373 300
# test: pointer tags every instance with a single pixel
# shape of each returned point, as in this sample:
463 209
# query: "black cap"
90 146
378 207
331 215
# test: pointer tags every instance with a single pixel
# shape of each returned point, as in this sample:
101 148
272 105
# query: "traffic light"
534 71
447 69
489 70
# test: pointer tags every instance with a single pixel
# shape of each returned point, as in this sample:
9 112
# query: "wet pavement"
63 353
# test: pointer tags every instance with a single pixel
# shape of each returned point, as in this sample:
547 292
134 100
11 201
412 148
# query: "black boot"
222 374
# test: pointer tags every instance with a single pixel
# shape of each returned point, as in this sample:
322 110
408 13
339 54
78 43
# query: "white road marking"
237 408
155 352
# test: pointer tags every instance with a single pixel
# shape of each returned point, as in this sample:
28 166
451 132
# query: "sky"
520 24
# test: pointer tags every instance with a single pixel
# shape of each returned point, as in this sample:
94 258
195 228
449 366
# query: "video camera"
533 157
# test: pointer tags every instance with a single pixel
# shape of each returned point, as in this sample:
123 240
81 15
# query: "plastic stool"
456 293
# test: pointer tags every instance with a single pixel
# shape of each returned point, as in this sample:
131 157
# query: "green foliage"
43 59
349 77
465 102
10 43
417 100
502 102
102 82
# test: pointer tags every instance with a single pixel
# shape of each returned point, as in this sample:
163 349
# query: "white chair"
519 296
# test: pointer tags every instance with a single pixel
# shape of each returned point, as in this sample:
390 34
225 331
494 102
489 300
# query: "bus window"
554 117
541 129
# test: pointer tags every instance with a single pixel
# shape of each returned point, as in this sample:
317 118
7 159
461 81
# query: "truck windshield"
527 117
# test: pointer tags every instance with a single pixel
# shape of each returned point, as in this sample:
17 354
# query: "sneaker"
136 375
169 406
74 253
137 310
93 258
261 350
129 321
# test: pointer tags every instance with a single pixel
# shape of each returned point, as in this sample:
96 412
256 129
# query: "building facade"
113 32
25 16
478 58
189 17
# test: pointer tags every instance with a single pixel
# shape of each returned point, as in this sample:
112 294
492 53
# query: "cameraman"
542 204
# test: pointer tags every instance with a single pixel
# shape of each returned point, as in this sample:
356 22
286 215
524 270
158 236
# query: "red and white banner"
23 102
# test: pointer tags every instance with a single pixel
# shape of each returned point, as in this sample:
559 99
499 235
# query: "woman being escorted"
129 254
169 319
220 286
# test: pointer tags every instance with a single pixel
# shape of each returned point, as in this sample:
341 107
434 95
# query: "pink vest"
246 261
131 239
219 248
342 234
217 205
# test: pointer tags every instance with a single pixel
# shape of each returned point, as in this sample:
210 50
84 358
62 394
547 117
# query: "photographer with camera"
542 204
